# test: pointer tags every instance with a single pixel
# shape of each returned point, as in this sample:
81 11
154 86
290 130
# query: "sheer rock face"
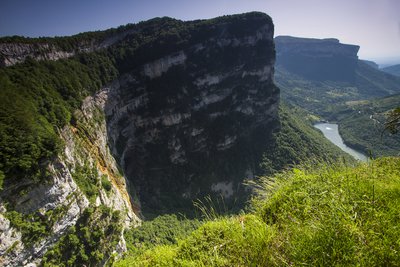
196 117
317 59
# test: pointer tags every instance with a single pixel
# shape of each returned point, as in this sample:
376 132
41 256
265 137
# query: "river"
331 132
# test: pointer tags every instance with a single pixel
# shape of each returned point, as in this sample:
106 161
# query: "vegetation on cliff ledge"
37 99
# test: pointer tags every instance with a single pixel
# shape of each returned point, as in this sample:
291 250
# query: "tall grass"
324 215
211 209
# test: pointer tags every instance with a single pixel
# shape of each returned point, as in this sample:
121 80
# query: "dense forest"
37 100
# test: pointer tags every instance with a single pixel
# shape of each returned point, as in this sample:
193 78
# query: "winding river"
331 132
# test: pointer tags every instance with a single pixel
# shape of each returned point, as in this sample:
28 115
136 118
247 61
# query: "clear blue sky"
372 24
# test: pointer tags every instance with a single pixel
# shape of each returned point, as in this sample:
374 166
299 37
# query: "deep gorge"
152 117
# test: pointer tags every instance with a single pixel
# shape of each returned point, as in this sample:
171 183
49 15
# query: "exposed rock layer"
83 146
196 117
12 53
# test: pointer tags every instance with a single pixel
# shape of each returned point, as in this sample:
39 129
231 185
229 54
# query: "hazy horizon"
373 25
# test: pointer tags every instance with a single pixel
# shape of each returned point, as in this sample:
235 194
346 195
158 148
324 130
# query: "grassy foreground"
320 216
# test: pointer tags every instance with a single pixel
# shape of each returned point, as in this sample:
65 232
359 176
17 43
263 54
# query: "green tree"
393 121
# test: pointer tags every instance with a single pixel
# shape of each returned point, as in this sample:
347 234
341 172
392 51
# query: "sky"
372 24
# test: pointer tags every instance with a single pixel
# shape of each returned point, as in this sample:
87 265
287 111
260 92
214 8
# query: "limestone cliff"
194 121
190 114
11 53
18 51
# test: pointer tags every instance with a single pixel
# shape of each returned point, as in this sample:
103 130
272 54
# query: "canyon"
187 121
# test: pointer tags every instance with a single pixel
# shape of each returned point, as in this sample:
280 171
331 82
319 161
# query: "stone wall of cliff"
194 121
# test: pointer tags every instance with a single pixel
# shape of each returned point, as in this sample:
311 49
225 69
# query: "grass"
313 216
225 242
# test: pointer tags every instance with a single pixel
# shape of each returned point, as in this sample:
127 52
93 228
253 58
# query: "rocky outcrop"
317 59
85 146
192 120
12 53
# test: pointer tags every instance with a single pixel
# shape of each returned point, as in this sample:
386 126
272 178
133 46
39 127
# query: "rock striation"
85 145
12 53
196 117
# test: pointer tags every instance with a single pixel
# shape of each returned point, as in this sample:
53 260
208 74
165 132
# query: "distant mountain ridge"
329 61
371 63
394 70
317 59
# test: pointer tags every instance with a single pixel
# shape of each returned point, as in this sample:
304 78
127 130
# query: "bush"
105 183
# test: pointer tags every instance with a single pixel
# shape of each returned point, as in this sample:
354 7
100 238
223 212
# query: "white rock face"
227 143
16 53
169 120
160 66
178 155
207 99
263 33
92 115
264 74
248 110
209 80
13 53
10 239
223 188
62 191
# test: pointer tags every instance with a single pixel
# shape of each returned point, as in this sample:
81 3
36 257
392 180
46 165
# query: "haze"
372 24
